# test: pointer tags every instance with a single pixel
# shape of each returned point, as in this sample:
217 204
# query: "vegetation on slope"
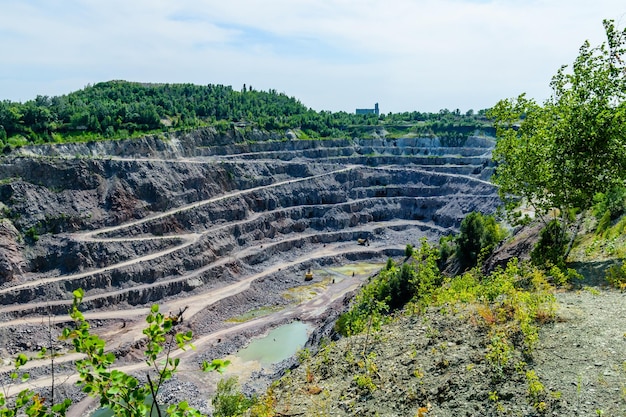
500 311
119 109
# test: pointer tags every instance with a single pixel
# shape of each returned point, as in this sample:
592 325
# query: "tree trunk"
579 223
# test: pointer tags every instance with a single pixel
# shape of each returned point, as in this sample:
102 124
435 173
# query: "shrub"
446 250
32 234
550 247
400 288
229 401
616 276
391 290
478 237
613 201
604 222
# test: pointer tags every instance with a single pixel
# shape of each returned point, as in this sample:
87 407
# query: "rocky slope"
434 365
61 197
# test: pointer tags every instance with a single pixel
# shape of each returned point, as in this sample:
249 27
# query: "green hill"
121 109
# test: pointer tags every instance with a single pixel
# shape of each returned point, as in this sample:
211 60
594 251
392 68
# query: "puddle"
281 343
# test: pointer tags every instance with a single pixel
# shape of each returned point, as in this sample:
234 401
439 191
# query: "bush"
604 223
391 290
446 250
478 237
229 401
550 247
400 286
32 234
613 201
616 276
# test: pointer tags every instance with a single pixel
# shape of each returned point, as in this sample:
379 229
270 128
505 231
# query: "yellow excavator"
308 276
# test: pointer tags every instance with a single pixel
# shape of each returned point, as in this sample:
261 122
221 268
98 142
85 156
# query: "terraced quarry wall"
222 224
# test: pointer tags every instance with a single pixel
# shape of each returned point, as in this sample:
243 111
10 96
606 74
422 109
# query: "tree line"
117 109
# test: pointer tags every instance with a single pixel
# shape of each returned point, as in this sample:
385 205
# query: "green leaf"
218 365
154 308
42 352
78 294
62 407
20 360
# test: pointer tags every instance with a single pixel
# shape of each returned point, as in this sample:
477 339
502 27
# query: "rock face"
236 194
12 261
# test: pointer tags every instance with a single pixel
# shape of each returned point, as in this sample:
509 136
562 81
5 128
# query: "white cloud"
330 54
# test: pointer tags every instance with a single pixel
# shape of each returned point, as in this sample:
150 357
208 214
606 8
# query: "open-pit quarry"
224 227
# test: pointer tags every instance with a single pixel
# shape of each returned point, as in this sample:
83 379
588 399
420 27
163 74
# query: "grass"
254 314
304 293
610 244
329 276
362 268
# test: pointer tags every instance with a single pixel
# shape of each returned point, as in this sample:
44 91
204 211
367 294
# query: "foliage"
229 401
604 223
616 276
516 298
32 234
537 394
27 402
120 109
446 250
478 236
499 353
550 247
118 391
391 290
561 154
613 201
364 382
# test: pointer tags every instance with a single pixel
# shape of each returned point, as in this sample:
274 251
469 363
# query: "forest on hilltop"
120 109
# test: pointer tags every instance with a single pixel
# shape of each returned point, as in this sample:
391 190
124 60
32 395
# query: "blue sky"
330 54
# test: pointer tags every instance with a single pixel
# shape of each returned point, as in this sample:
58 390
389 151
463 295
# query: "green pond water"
281 343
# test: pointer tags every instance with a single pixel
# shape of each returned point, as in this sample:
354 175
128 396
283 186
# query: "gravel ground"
583 354
433 365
